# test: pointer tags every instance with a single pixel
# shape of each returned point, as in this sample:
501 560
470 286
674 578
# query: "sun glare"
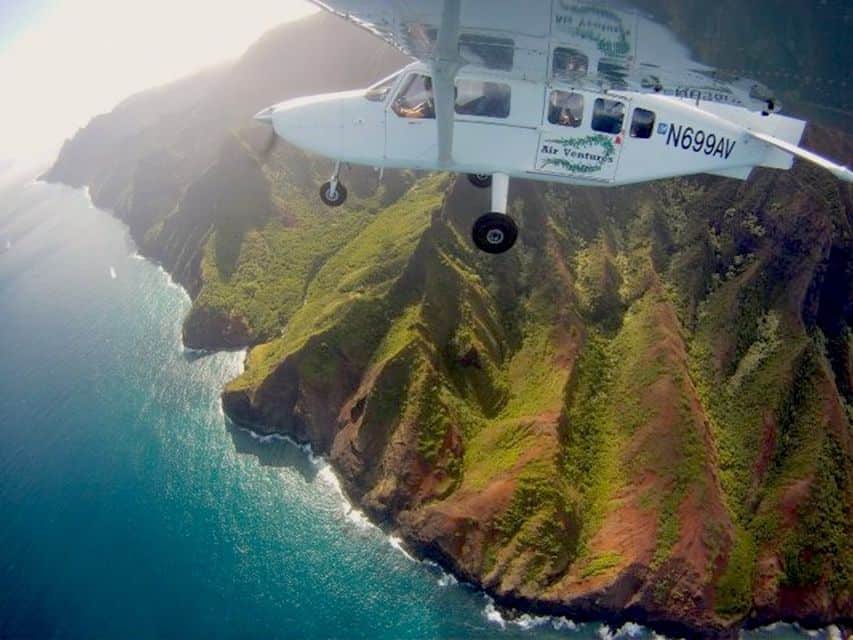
84 56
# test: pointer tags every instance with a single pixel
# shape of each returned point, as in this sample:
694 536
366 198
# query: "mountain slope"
642 412
635 413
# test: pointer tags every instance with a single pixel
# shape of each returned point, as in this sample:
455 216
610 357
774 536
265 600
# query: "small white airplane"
555 90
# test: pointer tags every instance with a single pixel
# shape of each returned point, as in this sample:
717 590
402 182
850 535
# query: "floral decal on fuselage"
585 154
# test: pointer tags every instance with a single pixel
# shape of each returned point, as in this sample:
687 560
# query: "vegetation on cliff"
642 411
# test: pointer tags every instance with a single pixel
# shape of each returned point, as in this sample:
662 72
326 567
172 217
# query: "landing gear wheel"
335 199
480 180
494 232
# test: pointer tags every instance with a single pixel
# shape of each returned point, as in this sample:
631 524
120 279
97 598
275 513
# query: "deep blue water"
130 509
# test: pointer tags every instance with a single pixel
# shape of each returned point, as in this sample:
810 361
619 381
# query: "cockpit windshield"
379 91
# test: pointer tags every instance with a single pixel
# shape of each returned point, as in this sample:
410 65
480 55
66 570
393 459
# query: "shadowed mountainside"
642 412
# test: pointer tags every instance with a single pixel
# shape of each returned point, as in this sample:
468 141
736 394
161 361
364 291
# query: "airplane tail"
788 131
791 150
781 135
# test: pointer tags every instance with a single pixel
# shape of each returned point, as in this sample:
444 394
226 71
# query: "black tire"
480 180
340 193
494 232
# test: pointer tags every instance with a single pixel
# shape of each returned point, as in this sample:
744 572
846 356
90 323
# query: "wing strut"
842 173
444 69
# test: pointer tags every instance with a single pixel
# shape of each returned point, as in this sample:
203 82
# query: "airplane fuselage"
550 131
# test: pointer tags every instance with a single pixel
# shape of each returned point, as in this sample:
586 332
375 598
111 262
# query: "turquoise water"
129 507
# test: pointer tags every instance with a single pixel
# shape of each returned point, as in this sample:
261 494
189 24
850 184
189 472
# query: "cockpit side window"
608 115
642 123
569 63
379 91
415 98
482 98
565 108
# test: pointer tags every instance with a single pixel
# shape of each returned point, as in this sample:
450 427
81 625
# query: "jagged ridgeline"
641 412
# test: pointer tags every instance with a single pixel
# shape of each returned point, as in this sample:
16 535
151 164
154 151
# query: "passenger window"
642 123
482 98
565 108
569 63
379 91
415 99
487 51
608 115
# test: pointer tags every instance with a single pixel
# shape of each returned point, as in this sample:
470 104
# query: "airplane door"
581 135
411 132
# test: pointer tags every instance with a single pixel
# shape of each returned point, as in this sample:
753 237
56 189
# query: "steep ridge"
642 412
635 414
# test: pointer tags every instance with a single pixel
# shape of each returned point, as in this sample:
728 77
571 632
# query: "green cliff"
642 412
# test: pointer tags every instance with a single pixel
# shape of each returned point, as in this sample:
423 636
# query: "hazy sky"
64 61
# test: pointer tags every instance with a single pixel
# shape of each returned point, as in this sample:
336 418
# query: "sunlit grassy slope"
647 380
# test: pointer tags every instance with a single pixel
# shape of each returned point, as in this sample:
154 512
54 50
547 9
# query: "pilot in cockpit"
418 101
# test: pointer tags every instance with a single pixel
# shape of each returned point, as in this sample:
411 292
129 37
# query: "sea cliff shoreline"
586 610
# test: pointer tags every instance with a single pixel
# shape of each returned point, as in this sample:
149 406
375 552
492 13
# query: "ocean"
132 509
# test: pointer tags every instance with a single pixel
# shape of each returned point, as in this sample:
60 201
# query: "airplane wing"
594 45
448 34
491 33
603 44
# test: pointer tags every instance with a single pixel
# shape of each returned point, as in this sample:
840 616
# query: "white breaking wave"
526 622
265 438
492 614
447 580
564 624
831 632
326 475
627 630
359 519
397 543
170 281
113 273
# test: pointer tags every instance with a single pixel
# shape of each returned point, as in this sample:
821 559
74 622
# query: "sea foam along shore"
327 479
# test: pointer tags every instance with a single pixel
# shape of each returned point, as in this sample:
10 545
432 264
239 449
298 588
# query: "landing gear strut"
496 232
333 193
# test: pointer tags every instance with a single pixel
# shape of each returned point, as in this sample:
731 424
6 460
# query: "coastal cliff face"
642 412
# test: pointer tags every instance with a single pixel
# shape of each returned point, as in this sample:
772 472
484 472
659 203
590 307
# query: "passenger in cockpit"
565 109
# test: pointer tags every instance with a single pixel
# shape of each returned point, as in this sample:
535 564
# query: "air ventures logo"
588 154
604 27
